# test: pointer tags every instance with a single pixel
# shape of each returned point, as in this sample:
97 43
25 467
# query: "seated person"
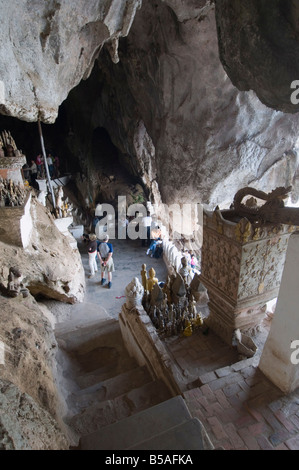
156 241
158 249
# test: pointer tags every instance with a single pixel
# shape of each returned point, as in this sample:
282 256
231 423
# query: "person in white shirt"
123 224
50 165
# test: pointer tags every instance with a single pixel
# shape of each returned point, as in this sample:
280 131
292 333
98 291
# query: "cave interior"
172 103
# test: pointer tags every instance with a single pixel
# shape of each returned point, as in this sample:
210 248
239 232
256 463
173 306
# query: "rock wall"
31 401
210 139
31 405
50 266
48 47
175 116
259 46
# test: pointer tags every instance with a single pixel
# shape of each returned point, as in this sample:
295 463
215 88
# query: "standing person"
26 172
33 174
105 251
39 164
92 253
50 165
146 222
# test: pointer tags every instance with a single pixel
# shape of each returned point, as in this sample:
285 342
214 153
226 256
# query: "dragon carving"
273 210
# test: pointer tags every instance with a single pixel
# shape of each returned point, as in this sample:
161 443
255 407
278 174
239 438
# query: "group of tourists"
36 169
100 253
192 261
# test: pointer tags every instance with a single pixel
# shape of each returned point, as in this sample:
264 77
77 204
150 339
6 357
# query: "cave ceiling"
197 104
259 48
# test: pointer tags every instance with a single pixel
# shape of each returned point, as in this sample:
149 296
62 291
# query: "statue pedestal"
10 168
241 267
16 224
62 224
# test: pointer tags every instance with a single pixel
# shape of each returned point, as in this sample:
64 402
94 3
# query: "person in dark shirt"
92 254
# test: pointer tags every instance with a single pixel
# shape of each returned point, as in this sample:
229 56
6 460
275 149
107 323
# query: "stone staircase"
165 426
115 404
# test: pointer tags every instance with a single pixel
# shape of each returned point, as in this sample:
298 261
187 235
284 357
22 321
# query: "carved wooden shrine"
242 264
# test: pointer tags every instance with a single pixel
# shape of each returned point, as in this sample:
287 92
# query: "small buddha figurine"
198 321
59 202
166 290
188 328
10 151
14 282
152 280
144 277
185 271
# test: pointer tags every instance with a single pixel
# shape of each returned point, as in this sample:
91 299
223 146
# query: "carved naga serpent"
273 210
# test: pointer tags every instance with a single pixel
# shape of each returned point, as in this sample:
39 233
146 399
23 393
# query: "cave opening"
104 153
99 170
110 166
56 136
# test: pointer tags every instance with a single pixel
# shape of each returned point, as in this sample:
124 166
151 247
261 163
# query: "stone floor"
128 258
239 407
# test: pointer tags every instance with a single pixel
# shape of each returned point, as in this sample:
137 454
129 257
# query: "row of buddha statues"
11 193
64 208
173 305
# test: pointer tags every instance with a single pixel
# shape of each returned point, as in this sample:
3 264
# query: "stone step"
93 315
110 388
114 366
72 339
138 427
96 352
190 435
102 414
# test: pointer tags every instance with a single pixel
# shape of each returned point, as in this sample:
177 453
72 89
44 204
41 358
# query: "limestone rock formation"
24 425
30 399
209 138
49 265
48 47
175 116
259 46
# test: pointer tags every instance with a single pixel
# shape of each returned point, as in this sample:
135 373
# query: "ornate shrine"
11 159
243 255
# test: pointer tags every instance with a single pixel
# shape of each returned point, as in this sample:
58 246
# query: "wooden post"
46 163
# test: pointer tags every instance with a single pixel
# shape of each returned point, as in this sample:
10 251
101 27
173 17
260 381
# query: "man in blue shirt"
105 251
